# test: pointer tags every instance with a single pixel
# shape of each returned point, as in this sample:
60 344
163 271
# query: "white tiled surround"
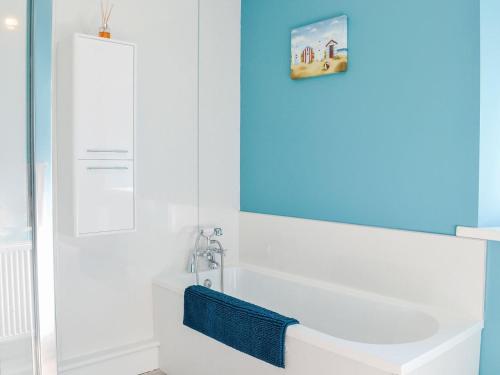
104 304
103 284
437 270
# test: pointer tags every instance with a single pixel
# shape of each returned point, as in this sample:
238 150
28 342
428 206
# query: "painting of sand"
319 48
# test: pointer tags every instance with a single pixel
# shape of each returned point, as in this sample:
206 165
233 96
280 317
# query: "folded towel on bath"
241 325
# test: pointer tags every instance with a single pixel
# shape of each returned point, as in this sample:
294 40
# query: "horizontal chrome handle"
110 151
107 168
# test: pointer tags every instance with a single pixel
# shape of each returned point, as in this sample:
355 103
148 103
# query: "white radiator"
15 291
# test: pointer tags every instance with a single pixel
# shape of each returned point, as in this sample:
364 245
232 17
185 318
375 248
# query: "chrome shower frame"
40 57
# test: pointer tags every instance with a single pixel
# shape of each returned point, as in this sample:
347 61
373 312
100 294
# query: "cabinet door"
104 196
103 99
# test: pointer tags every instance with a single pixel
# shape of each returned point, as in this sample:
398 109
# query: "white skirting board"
133 359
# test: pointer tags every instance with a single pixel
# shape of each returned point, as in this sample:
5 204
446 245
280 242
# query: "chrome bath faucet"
210 250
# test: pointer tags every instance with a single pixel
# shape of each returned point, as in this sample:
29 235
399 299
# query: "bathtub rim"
452 330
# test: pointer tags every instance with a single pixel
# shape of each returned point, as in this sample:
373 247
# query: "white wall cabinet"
104 98
105 196
96 117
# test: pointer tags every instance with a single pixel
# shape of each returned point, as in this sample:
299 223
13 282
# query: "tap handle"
221 251
211 232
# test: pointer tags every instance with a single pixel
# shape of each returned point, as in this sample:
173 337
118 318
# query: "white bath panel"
343 330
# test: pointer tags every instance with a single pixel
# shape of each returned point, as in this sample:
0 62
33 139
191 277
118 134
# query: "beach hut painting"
319 49
307 56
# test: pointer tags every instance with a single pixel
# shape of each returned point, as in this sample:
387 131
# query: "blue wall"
489 187
393 142
407 138
42 75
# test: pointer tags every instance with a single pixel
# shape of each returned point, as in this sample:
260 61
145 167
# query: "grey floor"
155 372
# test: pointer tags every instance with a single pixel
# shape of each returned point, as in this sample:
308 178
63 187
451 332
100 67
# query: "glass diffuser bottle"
104 30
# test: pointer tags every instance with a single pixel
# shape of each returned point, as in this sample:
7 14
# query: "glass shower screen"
26 341
16 276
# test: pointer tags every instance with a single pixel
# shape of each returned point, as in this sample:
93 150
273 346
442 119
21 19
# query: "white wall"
104 283
220 118
13 142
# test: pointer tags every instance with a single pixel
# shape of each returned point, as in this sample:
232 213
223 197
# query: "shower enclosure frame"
40 53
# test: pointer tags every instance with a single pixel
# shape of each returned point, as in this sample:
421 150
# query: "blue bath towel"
241 325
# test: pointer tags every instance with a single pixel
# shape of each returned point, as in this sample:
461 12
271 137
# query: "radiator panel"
15 292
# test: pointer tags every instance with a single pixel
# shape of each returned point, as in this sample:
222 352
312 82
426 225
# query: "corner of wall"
489 178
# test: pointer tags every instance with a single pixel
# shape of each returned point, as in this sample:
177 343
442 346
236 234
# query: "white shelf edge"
106 40
484 233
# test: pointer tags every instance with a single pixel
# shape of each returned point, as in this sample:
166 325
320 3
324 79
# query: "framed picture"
319 49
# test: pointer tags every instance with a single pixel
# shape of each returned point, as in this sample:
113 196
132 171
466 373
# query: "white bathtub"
342 331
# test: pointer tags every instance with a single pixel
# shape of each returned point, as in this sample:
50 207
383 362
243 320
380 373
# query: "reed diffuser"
106 9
